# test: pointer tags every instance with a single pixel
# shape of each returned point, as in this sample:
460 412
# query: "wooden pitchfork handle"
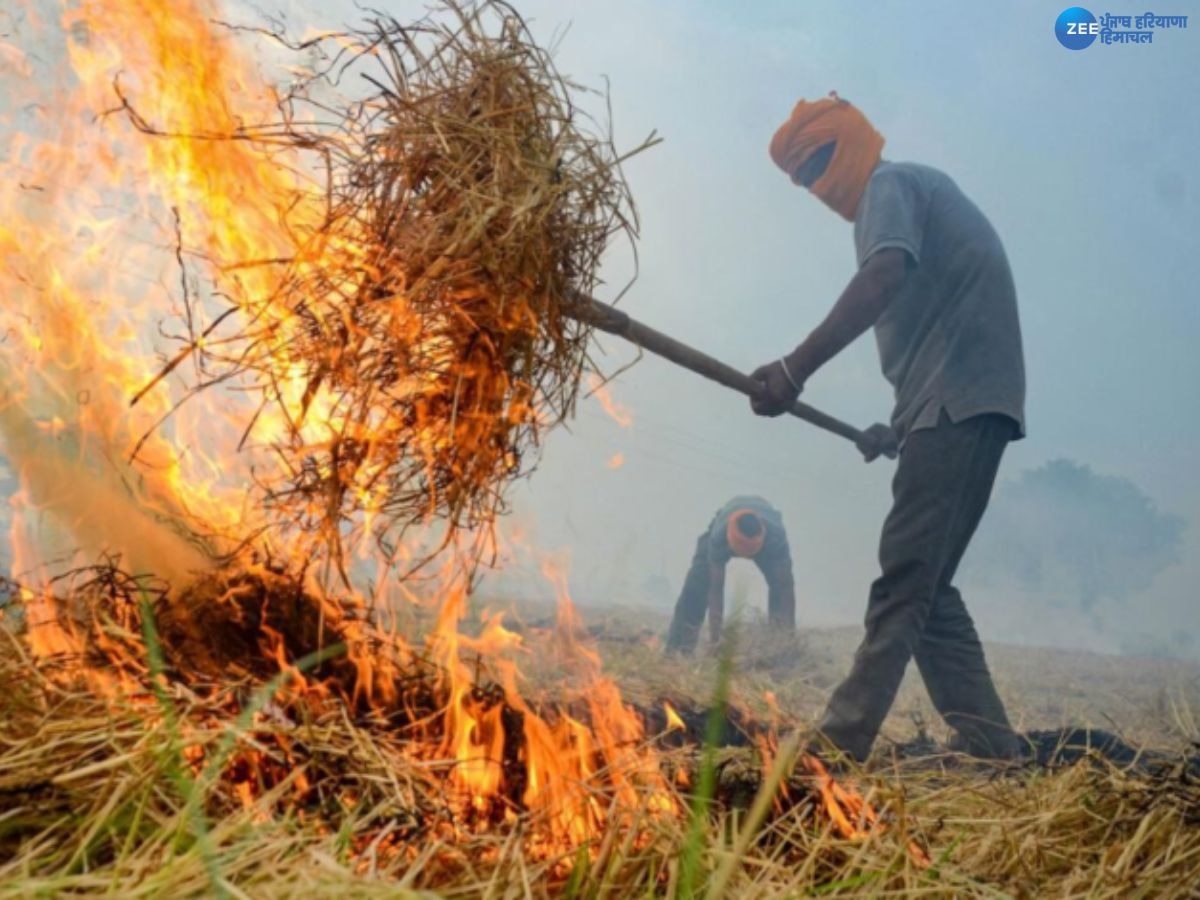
614 321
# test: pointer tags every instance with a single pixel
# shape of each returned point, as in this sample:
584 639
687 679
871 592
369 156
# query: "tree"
1071 534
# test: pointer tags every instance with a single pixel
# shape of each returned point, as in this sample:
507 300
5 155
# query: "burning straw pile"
237 788
303 763
417 345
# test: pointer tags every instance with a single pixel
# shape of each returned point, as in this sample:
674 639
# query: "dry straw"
418 346
187 794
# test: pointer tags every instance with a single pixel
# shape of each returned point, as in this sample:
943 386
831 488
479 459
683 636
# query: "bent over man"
934 282
747 527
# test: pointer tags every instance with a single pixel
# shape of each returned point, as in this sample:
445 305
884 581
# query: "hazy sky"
1084 162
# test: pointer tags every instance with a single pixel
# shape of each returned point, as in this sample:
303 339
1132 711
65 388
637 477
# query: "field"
98 798
1149 701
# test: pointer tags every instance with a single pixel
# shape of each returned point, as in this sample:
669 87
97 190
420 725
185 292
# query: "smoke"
1074 537
89 502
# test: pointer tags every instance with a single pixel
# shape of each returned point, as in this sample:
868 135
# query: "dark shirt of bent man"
747 527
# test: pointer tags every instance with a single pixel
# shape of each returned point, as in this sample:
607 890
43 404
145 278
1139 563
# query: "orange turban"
742 544
812 125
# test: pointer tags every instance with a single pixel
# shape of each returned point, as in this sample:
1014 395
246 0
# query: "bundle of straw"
424 347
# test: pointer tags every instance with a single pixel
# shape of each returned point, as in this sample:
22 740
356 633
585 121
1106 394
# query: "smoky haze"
1082 162
1065 541
1080 537
1085 164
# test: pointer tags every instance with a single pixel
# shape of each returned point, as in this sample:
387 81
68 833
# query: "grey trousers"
941 488
775 563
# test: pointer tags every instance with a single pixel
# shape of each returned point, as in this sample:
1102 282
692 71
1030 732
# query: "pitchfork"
614 321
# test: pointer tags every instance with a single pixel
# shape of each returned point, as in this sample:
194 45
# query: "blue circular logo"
1076 28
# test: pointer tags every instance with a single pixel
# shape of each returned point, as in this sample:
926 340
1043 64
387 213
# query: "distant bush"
1064 531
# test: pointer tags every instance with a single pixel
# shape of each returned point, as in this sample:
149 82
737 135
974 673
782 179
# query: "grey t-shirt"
774 542
950 339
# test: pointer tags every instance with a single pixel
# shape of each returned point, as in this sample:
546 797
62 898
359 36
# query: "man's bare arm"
857 309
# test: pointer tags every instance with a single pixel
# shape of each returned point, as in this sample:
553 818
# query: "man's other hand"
878 440
778 394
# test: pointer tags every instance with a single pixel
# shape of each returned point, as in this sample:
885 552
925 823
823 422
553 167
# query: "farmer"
934 282
747 527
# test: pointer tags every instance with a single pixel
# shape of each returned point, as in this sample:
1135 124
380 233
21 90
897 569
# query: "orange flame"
674 723
851 814
616 411
106 235
577 763
93 216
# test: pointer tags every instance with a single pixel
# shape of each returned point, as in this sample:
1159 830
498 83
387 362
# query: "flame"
109 240
851 814
586 738
96 218
614 742
674 723
848 810
618 412
616 461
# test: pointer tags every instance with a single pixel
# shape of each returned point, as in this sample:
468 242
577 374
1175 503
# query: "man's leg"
692 603
949 654
935 479
956 675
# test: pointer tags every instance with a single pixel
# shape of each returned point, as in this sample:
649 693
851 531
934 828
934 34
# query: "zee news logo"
1082 28
1076 28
